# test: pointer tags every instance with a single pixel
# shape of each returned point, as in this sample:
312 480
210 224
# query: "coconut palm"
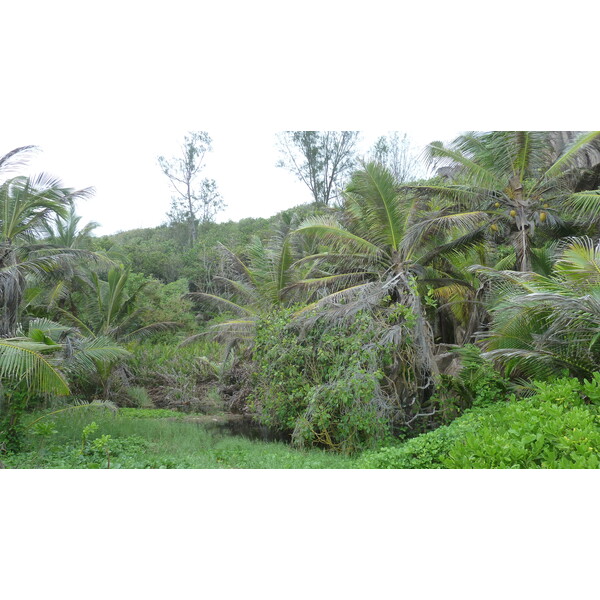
110 308
507 182
41 361
259 281
545 324
370 267
26 206
64 231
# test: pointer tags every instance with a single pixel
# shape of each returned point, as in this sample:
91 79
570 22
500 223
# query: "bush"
426 451
557 428
324 383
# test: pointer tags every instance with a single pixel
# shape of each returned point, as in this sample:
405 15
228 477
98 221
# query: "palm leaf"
570 153
24 360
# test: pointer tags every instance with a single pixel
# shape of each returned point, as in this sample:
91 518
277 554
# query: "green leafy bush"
322 383
557 428
426 451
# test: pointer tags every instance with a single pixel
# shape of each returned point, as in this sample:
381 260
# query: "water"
239 425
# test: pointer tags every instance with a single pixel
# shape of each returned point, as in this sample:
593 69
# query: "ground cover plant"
556 428
153 439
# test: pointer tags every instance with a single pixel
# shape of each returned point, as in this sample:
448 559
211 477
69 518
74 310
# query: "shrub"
557 428
323 383
425 451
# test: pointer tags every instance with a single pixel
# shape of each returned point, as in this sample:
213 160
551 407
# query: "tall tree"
320 159
193 201
26 206
375 268
511 182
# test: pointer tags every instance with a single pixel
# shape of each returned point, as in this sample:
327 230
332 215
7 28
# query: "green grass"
145 443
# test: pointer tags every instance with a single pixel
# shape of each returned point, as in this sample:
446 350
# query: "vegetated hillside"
164 252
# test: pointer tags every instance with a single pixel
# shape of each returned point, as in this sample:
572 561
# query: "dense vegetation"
442 322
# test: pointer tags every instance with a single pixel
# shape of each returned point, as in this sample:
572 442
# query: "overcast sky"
131 190
107 89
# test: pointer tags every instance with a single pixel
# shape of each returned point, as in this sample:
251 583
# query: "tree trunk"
192 217
521 241
425 367
11 290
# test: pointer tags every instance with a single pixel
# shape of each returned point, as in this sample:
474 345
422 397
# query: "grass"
146 441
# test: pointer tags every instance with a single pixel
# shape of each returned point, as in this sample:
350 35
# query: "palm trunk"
425 367
521 241
11 290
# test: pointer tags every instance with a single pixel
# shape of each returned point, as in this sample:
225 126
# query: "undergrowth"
122 442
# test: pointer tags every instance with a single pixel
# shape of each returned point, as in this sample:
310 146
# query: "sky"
132 192
104 90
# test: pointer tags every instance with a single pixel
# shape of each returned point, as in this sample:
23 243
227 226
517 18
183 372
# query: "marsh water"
240 425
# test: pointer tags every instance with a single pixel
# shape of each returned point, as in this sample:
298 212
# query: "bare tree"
320 159
396 154
193 201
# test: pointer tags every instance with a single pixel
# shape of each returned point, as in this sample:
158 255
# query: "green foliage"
138 396
160 443
557 428
426 451
324 383
44 429
162 303
150 413
477 384
13 403
86 432
530 434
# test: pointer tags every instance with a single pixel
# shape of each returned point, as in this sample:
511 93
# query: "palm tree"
26 206
110 308
40 362
371 266
545 324
64 231
507 183
256 283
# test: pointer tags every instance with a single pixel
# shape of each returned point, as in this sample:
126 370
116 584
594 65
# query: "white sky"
106 89
132 192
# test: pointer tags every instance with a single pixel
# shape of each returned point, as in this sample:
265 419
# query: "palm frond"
330 231
570 153
439 155
440 225
25 360
147 330
584 205
84 354
219 301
